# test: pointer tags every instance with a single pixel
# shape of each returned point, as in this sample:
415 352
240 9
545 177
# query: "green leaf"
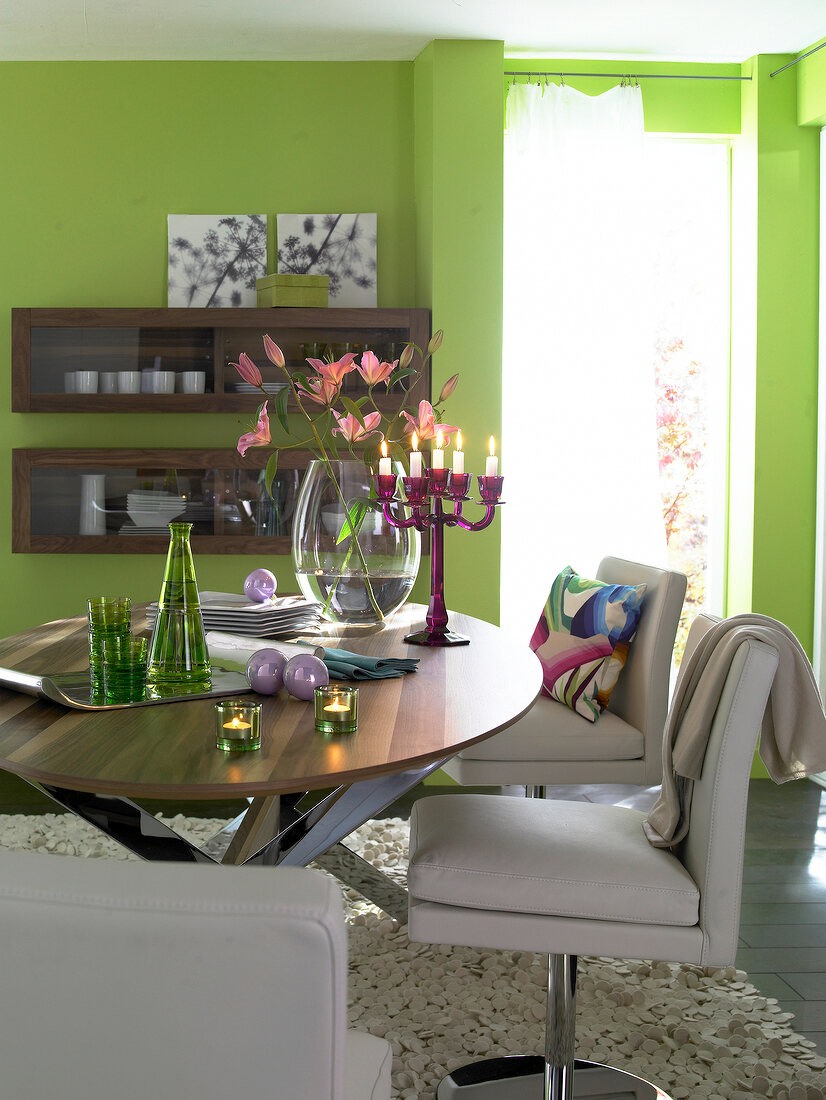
281 408
271 470
353 520
402 372
352 408
300 379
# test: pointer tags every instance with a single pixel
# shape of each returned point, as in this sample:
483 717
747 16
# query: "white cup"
129 381
148 380
163 381
193 381
87 381
70 381
108 381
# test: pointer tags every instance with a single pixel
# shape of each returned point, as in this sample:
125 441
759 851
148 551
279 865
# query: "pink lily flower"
260 437
274 352
320 390
352 431
248 370
372 371
334 372
425 426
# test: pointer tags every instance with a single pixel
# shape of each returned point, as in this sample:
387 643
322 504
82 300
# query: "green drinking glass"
177 649
109 617
124 669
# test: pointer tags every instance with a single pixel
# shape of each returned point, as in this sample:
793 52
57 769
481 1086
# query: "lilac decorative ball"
260 585
303 674
265 671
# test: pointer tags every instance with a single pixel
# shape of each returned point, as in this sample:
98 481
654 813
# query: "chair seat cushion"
566 859
367 1063
551 731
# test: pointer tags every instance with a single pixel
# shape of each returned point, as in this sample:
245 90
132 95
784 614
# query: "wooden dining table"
306 790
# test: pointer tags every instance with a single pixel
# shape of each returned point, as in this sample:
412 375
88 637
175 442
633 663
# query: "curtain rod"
808 53
641 76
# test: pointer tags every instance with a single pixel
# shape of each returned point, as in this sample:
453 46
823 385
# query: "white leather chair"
553 744
574 878
124 981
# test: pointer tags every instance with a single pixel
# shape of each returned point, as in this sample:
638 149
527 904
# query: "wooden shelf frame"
287 325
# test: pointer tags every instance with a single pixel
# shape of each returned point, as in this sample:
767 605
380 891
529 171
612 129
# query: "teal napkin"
343 665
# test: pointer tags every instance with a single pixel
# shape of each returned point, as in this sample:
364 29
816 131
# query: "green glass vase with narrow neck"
177 649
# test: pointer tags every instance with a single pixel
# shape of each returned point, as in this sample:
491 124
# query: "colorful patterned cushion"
582 639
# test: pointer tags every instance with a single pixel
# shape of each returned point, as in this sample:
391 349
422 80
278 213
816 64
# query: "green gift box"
293 290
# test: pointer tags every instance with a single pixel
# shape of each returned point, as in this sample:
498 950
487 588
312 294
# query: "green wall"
98 154
786 378
811 87
459 168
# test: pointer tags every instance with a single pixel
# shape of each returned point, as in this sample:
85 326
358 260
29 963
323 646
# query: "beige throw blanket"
793 738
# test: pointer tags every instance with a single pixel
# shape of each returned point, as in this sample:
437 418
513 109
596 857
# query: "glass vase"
177 649
356 583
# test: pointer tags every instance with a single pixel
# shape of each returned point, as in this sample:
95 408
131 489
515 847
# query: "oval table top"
457 696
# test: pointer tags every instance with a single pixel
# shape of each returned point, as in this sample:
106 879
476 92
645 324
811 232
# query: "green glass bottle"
177 649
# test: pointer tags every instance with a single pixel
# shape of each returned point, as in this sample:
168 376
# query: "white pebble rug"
695 1032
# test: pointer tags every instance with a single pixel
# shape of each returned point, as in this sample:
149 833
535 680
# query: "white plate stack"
235 614
247 387
151 511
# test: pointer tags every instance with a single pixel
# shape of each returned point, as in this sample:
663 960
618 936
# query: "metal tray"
74 689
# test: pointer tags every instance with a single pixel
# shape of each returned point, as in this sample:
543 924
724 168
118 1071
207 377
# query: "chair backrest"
641 694
145 980
712 852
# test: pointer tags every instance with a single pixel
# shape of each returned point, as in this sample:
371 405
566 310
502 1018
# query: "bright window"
680 267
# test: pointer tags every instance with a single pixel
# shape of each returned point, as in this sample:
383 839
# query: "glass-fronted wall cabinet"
121 501
179 360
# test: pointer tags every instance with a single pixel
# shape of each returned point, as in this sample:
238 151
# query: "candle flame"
384 448
414 441
439 441
458 441
492 447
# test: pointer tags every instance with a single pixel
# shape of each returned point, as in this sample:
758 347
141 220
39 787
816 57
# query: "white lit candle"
385 467
438 459
492 462
458 456
415 457
337 707
236 724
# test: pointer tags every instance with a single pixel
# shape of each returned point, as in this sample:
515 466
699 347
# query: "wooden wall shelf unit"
49 343
224 500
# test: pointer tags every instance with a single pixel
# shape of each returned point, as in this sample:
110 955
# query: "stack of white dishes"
151 511
235 614
247 387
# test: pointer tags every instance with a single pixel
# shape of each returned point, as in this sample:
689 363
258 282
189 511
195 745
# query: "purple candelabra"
436 487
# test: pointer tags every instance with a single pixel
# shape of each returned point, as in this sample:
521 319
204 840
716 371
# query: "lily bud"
435 341
274 352
406 357
448 388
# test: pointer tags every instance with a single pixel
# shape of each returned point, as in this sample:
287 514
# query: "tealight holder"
237 726
386 484
336 708
490 488
459 485
415 489
438 481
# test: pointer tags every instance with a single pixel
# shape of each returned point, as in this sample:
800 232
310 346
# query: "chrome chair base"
522 1078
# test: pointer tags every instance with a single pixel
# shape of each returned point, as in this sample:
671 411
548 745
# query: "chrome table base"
288 829
523 1078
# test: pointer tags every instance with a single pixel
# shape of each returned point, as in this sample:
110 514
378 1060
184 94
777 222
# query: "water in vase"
349 600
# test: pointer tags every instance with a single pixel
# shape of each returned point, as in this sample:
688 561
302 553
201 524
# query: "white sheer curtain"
579 411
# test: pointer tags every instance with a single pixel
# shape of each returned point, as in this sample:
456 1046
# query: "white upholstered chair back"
641 694
134 980
713 850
